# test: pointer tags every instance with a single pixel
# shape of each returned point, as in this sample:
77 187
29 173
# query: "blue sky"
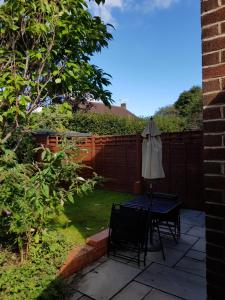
156 51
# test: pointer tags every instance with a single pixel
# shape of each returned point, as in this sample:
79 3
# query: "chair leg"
160 240
172 233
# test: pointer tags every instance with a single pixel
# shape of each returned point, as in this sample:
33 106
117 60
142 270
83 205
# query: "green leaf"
58 80
36 238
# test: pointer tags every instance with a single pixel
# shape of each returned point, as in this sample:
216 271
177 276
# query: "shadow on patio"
181 276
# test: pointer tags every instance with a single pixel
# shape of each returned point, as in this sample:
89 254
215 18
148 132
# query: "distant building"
100 108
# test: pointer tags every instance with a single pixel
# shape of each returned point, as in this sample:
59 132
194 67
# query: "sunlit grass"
88 215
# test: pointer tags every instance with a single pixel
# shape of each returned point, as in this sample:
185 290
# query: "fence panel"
118 159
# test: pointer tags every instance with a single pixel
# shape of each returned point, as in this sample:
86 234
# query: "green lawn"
88 215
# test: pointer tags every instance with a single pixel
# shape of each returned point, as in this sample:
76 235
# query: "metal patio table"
158 207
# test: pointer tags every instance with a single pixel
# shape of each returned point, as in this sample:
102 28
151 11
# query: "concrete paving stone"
133 291
75 296
85 298
172 257
184 228
158 295
175 282
193 218
196 255
197 231
90 268
193 266
185 242
190 213
103 259
106 280
200 245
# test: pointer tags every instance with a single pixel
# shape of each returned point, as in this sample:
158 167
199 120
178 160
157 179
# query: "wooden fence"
118 159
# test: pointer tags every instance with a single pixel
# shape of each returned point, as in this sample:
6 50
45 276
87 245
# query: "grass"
88 215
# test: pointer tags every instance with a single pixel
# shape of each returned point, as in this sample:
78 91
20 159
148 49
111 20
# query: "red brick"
212 168
211 86
223 57
214 182
209 5
214 278
212 99
214 154
217 238
214 17
223 27
214 126
210 31
212 140
214 72
214 196
213 45
216 210
215 291
98 240
223 83
210 59
210 113
223 2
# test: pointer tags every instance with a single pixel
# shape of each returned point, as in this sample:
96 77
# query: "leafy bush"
106 124
32 194
37 277
58 118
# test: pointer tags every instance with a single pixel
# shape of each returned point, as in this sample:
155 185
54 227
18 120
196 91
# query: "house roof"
121 111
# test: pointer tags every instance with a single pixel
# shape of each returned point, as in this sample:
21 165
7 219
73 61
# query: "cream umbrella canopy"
152 167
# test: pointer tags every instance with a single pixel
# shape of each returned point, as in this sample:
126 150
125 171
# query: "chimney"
124 105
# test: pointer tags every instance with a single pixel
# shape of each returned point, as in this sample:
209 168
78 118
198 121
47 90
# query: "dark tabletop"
154 204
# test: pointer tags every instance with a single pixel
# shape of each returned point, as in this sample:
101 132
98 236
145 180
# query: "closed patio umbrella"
152 167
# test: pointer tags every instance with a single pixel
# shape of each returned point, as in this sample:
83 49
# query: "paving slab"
106 280
196 255
191 213
158 295
200 245
133 291
172 257
197 231
193 266
193 218
89 268
175 282
184 228
75 296
185 242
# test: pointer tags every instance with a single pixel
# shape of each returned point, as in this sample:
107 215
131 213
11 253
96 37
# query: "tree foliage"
189 106
45 50
184 114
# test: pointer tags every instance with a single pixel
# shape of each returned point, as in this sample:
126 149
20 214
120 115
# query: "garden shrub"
106 124
32 195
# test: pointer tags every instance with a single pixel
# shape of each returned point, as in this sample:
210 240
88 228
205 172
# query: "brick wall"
213 68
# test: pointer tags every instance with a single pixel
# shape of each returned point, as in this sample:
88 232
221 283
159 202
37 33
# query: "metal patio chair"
128 233
169 223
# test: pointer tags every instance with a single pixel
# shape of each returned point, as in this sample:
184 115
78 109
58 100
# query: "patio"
180 276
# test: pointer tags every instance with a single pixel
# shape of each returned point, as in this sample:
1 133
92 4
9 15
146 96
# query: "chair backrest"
128 224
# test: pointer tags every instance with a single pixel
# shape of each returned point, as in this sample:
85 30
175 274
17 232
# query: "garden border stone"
81 256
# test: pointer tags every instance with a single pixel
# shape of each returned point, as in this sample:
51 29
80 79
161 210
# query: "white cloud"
105 11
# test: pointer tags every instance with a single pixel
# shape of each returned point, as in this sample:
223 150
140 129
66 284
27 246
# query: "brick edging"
81 256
